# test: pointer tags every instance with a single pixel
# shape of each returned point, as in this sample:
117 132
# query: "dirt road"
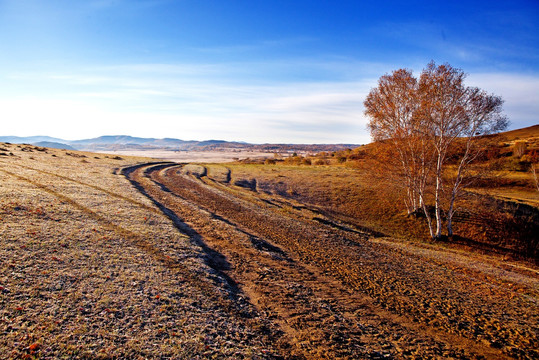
334 291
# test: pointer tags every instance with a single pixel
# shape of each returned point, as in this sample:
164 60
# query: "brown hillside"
527 133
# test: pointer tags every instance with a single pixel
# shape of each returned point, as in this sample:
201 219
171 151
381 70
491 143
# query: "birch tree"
425 120
483 117
392 107
454 113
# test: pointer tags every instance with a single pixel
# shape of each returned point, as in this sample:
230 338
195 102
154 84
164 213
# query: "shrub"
519 149
293 160
513 164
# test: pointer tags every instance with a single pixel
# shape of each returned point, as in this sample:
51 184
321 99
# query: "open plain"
106 256
194 156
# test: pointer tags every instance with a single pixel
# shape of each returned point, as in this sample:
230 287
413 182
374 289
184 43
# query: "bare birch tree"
392 107
483 117
453 112
424 121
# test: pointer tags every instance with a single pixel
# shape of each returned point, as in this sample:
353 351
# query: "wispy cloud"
265 45
199 102
520 92
204 101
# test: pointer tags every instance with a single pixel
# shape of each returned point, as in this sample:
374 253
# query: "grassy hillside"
529 134
499 210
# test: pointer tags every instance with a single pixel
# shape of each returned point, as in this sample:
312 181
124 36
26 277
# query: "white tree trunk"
438 193
427 216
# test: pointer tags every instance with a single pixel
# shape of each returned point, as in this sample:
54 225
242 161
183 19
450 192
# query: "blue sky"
257 70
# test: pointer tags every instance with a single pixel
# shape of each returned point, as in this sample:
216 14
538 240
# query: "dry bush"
519 149
533 170
195 170
293 160
341 159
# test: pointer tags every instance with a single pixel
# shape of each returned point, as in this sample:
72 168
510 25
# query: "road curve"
337 292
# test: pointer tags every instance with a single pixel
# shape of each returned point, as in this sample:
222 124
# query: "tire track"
235 317
225 221
272 274
464 302
236 307
95 187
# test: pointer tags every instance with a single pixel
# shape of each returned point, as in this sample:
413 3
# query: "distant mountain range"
125 142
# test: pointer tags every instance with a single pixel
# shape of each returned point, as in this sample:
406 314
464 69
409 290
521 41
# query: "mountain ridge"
127 142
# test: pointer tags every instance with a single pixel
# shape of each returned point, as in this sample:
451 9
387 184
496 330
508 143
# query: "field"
195 156
107 256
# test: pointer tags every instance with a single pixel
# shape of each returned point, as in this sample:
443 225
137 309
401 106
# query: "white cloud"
205 106
520 92
191 102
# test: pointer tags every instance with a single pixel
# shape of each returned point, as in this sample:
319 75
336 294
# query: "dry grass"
90 268
358 197
336 291
513 193
517 186
344 192
103 259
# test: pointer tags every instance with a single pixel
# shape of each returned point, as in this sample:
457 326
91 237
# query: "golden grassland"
498 210
106 256
356 196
